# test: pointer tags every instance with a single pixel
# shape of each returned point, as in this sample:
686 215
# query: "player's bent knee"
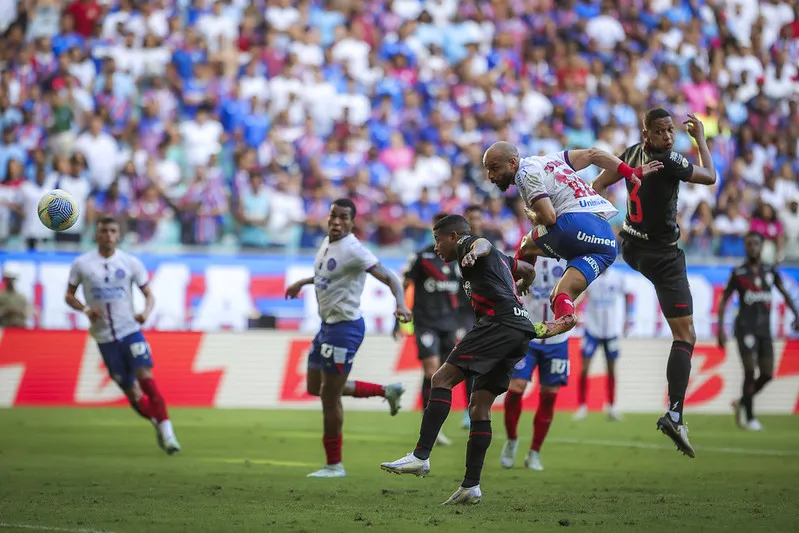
517 386
144 372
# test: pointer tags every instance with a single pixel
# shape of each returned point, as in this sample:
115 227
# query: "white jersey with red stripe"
551 176
548 271
108 288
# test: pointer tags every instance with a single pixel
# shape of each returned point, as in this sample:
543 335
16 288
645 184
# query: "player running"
649 245
570 220
753 281
488 352
340 269
551 356
107 276
435 311
605 317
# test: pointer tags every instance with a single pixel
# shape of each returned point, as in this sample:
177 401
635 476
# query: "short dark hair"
654 114
346 202
439 216
102 221
755 234
473 207
451 223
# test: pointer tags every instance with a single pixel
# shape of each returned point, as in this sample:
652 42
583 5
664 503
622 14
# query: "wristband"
627 172
87 309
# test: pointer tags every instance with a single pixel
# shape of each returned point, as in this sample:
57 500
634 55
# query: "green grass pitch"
96 470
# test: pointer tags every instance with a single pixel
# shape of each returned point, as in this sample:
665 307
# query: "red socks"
611 390
562 305
157 407
543 418
582 388
513 411
367 390
332 444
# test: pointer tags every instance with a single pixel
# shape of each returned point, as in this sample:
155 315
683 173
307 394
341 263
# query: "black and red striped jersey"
491 288
436 285
754 287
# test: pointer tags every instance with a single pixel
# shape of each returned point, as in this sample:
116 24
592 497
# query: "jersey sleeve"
75 274
777 277
677 165
411 269
362 257
464 245
139 273
732 284
530 181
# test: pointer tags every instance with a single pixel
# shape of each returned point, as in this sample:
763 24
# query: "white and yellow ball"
58 210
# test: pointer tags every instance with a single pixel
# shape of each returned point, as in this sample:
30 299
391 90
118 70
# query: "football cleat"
508 457
443 440
613 414
581 413
466 422
740 415
171 445
471 496
533 461
336 470
678 433
410 464
754 425
393 394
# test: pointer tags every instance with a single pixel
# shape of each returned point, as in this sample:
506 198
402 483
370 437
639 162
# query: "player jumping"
488 352
107 276
570 220
435 311
649 245
754 282
551 356
340 269
604 318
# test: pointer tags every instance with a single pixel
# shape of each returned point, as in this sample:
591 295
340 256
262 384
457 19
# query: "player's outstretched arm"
386 277
705 172
480 248
77 305
149 304
788 301
725 297
580 159
524 274
293 290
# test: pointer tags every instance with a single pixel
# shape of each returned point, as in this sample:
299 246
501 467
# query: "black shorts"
753 346
665 268
431 343
488 353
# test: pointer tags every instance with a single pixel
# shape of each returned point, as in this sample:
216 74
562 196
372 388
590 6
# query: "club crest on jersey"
467 288
769 278
678 158
120 274
427 339
331 264
446 270
758 283
557 271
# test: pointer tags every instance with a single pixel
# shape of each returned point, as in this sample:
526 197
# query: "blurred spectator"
790 223
14 307
764 222
391 103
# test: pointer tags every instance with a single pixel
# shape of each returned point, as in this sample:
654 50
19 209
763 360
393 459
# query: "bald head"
502 150
501 162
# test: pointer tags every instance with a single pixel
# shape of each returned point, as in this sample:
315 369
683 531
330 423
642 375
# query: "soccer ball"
58 210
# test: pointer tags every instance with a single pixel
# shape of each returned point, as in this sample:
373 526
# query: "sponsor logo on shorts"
593 264
593 239
521 312
634 232
757 297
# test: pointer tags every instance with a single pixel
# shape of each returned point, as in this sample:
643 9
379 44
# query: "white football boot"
336 470
410 464
581 413
471 496
613 414
754 425
393 394
508 457
533 461
443 440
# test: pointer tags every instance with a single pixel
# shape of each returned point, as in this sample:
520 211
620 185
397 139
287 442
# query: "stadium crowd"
236 122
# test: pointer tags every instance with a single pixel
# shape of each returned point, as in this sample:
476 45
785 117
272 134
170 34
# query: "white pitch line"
49 528
650 446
